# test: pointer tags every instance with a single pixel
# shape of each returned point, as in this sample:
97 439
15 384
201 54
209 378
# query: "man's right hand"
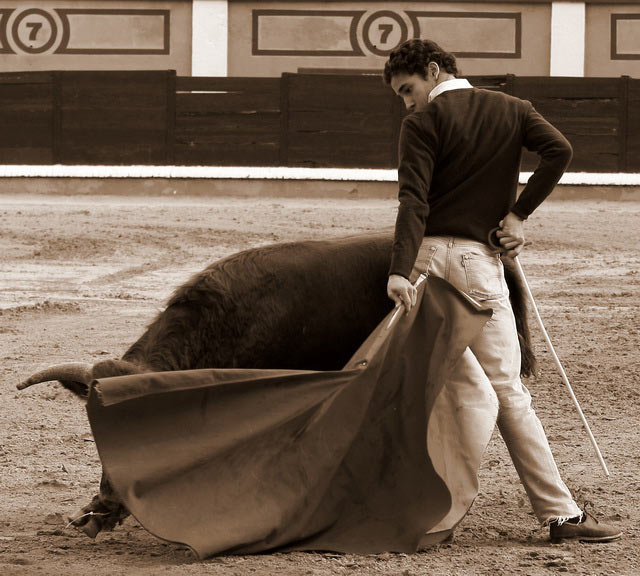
401 291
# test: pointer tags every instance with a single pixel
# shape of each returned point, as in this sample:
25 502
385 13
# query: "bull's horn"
72 371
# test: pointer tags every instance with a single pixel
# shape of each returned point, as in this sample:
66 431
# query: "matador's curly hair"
412 57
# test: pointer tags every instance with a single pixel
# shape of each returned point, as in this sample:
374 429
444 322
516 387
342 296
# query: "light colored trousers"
489 372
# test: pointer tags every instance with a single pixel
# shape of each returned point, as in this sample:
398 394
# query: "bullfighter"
459 159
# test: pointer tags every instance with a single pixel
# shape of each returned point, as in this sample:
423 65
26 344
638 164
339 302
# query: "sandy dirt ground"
80 277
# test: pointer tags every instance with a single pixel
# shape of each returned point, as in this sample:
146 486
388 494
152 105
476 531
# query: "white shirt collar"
453 84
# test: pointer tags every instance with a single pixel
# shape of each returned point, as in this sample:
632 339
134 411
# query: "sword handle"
494 241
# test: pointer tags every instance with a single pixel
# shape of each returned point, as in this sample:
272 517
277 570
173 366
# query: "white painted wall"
567 38
209 49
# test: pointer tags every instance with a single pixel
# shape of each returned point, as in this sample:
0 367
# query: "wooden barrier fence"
154 117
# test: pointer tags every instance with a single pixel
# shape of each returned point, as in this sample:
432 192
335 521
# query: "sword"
494 242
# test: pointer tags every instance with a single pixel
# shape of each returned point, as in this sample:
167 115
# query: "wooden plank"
336 102
623 108
222 140
489 82
348 93
111 152
25 155
25 94
285 97
56 119
8 78
348 141
579 107
349 150
192 104
116 82
586 126
589 154
112 117
585 110
585 144
508 84
106 89
79 138
236 144
229 124
26 105
133 119
101 98
232 145
228 84
565 88
337 160
26 116
398 112
633 126
239 155
337 122
170 117
354 83
25 133
604 162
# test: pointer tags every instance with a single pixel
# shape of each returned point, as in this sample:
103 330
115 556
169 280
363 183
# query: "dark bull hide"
301 305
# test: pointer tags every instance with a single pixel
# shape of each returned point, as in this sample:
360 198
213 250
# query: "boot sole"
587 538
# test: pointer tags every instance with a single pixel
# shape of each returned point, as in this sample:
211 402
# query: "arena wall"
306 120
593 38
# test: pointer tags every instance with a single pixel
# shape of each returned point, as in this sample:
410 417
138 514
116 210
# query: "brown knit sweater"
459 161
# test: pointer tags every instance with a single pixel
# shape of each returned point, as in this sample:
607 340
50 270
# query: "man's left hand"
511 234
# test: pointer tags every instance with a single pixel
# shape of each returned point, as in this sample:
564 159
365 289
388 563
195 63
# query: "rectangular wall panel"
612 40
268 39
473 34
95 35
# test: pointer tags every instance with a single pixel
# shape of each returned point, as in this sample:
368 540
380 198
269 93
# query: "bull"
304 305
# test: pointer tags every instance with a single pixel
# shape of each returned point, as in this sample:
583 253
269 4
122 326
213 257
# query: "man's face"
413 89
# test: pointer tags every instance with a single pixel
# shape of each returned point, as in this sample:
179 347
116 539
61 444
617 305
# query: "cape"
247 461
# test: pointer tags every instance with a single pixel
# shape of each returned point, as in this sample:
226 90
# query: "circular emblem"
383 31
34 31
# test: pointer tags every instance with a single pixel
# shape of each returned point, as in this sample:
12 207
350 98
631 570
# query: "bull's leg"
104 511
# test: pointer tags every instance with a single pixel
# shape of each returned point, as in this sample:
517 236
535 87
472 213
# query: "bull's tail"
518 298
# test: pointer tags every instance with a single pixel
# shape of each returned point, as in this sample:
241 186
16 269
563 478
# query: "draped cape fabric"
245 461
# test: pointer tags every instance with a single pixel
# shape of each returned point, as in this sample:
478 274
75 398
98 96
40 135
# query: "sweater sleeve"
555 154
416 158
